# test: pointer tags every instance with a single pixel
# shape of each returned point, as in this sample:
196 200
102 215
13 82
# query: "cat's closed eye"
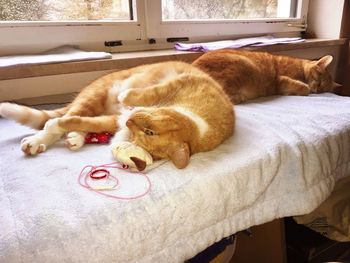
149 132
314 74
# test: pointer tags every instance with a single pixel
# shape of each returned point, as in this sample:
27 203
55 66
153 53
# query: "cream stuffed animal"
132 155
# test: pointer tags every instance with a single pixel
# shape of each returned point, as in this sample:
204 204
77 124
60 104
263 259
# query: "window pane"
226 9
53 10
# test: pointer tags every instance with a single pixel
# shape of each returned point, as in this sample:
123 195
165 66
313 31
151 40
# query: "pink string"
83 179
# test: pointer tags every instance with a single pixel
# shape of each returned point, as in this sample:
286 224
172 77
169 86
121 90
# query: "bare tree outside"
52 10
23 10
218 9
90 10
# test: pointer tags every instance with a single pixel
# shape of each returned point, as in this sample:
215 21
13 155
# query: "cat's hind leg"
40 141
55 128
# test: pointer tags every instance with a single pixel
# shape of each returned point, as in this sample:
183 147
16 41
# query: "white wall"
48 85
324 18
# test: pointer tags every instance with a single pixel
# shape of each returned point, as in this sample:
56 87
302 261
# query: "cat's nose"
129 123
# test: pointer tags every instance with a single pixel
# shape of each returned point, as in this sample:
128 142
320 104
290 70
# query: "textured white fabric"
60 54
285 156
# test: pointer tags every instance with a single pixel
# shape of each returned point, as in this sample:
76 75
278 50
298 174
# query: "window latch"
177 39
113 43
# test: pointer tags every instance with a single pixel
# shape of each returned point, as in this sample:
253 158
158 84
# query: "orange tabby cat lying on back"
246 75
178 110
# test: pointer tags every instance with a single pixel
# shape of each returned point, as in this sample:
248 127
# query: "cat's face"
318 77
160 133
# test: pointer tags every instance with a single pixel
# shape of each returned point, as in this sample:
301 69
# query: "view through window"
226 9
32 26
63 10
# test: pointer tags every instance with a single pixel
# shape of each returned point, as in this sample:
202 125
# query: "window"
66 10
224 18
225 9
29 26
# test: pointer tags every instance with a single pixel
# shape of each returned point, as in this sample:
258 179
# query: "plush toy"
132 155
98 138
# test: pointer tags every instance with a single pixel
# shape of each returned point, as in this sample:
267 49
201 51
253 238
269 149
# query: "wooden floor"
265 245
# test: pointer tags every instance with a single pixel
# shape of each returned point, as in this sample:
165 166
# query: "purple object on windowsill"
238 43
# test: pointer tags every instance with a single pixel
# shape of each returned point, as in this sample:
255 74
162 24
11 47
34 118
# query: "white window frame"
32 37
156 28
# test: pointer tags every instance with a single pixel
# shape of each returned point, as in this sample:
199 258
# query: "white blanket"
285 156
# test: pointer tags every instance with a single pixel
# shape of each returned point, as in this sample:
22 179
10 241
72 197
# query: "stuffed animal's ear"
179 155
325 61
140 164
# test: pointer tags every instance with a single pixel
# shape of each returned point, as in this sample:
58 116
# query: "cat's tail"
28 116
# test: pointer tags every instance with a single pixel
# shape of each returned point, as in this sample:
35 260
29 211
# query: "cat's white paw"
123 95
32 145
75 140
52 126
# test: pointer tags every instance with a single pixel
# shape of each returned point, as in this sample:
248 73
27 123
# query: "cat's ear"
336 86
179 154
325 61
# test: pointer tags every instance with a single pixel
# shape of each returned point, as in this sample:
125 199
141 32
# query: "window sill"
121 61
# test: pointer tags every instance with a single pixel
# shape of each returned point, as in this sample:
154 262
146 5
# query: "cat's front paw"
32 145
75 140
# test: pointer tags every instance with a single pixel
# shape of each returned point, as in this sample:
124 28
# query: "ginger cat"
247 75
177 110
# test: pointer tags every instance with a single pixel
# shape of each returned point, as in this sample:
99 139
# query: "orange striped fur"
28 116
178 110
247 75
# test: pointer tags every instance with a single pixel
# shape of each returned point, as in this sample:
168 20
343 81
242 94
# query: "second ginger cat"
247 75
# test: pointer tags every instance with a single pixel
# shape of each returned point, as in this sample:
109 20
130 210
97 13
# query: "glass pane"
53 10
226 9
